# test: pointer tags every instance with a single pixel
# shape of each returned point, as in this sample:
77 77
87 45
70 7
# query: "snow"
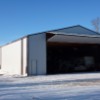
83 86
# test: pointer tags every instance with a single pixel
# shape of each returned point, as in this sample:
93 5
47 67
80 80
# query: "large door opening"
71 58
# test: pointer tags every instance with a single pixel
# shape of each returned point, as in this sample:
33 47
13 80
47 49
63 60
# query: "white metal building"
29 55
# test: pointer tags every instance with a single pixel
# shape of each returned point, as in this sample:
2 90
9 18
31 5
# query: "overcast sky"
21 17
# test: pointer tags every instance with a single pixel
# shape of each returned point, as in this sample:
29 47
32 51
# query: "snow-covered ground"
52 87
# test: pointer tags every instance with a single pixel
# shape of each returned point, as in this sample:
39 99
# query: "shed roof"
78 29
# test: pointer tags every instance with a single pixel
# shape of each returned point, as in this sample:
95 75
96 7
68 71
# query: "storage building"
66 50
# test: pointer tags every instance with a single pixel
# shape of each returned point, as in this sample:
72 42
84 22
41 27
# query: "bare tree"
96 24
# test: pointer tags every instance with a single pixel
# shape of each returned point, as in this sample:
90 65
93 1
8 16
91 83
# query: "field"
83 86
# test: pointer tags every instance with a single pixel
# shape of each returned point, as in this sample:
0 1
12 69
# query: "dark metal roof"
78 29
63 30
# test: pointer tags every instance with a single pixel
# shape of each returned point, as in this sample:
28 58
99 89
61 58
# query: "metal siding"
0 57
11 58
22 56
25 56
37 54
74 39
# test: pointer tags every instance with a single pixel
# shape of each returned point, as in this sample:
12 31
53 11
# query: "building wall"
25 56
13 58
0 57
37 54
